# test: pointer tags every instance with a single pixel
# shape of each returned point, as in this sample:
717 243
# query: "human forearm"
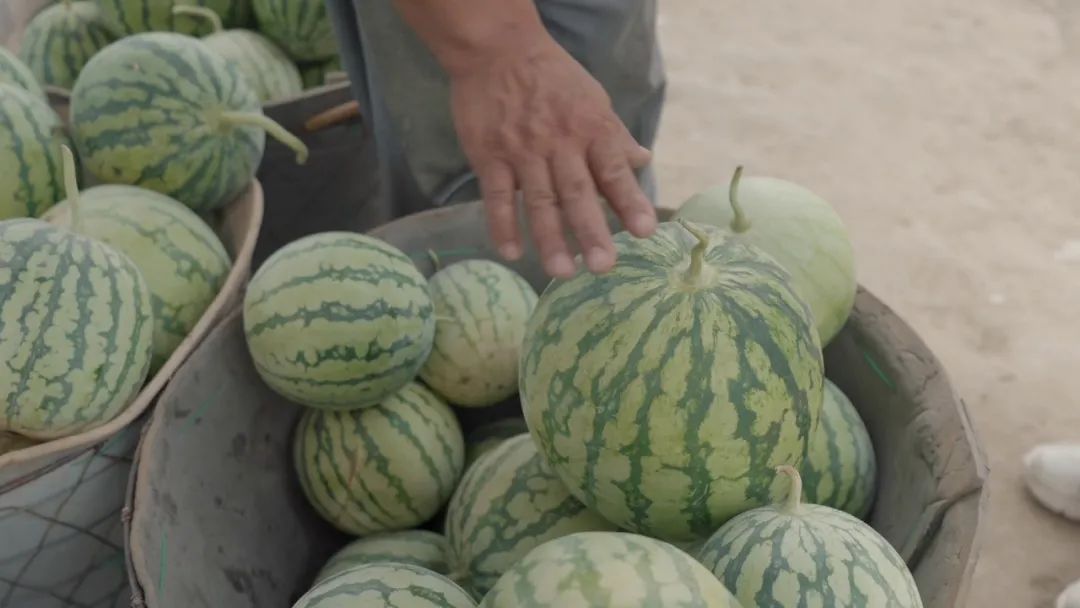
461 33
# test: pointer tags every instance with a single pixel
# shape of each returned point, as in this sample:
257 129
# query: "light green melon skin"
30 138
663 407
59 41
338 320
386 586
380 469
76 328
840 469
16 73
181 258
126 17
417 547
266 67
508 503
801 231
609 569
301 27
481 309
818 555
146 111
485 438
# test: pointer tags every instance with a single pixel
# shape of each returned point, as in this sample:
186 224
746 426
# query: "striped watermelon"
314 73
59 41
795 554
338 320
265 66
14 72
386 586
383 468
481 308
75 328
487 437
30 138
664 391
422 548
608 569
126 17
507 504
182 259
301 27
164 112
799 229
840 469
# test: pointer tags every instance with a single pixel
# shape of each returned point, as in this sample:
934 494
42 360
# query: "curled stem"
740 223
200 12
264 122
435 261
71 188
697 255
794 497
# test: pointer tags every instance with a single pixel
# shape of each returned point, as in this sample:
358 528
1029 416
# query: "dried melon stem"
71 188
264 122
740 223
794 497
200 12
697 254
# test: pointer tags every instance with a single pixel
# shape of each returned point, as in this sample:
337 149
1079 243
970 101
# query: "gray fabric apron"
404 94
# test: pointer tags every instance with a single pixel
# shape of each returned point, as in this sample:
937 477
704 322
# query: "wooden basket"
218 518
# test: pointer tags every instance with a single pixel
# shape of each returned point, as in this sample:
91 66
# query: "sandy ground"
946 134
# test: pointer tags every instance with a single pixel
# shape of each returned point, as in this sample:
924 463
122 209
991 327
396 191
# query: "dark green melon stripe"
417 405
346 240
381 463
444 289
372 273
187 265
333 311
389 595
13 111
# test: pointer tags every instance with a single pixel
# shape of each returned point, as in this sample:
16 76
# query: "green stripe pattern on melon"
14 72
386 586
794 554
265 66
383 468
338 320
481 309
485 438
126 17
60 40
609 569
664 391
422 548
30 138
840 469
181 258
164 112
508 502
301 27
75 328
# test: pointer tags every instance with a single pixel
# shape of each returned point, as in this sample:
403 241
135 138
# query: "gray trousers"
405 98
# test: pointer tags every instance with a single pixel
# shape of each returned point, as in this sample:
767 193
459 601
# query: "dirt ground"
947 134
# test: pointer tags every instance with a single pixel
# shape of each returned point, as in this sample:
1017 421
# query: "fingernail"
561 265
599 259
510 251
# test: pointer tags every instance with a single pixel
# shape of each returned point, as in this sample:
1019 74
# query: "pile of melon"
99 287
677 444
279 47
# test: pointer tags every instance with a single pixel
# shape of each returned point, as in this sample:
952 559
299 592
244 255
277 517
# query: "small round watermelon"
164 112
840 468
182 259
265 66
390 585
664 391
798 228
16 73
60 39
608 569
30 138
384 468
507 504
481 309
338 320
795 554
126 17
301 27
76 328
487 437
422 548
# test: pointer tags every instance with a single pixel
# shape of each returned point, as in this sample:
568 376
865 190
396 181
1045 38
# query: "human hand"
533 119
